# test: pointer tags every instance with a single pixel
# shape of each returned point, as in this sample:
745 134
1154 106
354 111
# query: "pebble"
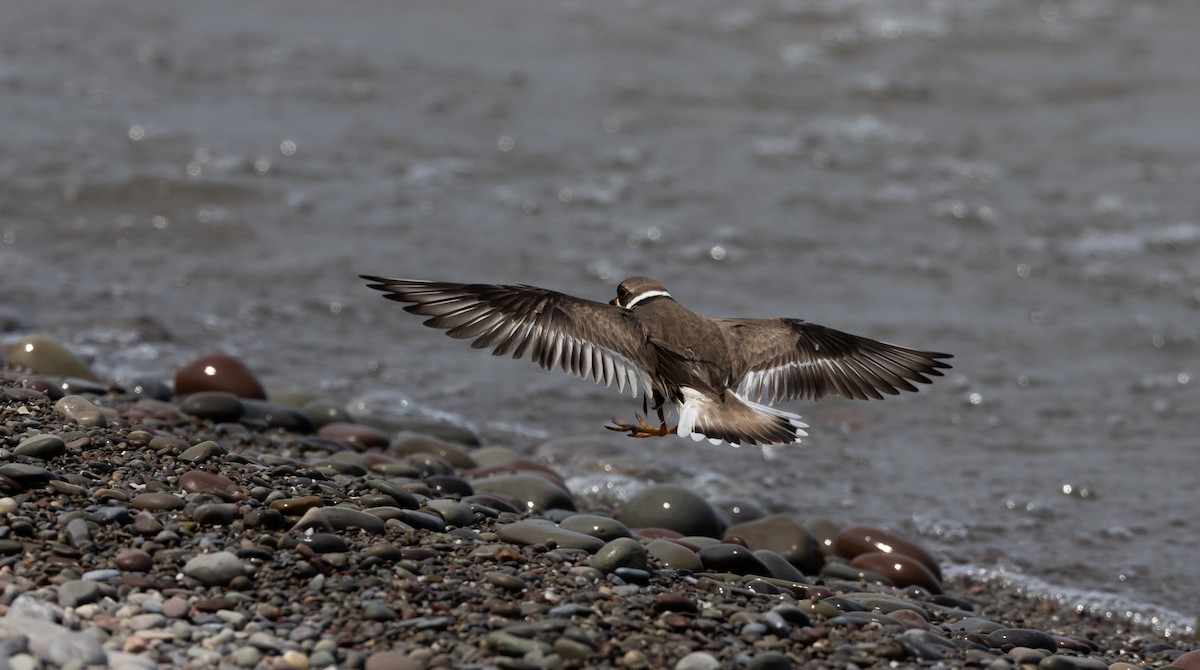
42 447
215 406
900 570
81 411
78 592
785 536
623 552
135 560
855 540
340 518
1189 660
674 556
544 532
202 481
45 355
215 569
671 507
1021 637
218 372
354 434
454 513
202 452
733 558
426 444
156 501
602 527
698 660
530 491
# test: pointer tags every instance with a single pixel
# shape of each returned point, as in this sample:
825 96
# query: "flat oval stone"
277 416
785 536
538 532
780 567
202 451
43 447
901 570
157 501
603 527
325 543
201 481
855 540
672 507
80 410
1022 637
26 474
450 485
45 355
133 560
296 506
218 372
623 552
403 497
215 569
216 406
213 514
340 518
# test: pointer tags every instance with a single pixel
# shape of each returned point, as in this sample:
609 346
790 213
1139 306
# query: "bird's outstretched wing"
784 359
585 338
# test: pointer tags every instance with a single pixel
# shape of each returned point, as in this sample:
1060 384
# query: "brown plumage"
716 372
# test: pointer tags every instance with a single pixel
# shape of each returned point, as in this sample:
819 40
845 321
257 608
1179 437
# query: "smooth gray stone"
77 592
80 410
340 518
216 406
215 569
623 552
531 491
43 447
454 512
671 507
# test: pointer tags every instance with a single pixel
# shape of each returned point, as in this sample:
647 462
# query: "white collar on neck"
646 296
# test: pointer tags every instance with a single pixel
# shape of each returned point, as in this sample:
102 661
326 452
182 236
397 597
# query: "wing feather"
585 338
785 359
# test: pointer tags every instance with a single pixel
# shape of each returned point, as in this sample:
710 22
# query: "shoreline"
142 529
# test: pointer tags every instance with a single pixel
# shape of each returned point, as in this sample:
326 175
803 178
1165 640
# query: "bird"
721 376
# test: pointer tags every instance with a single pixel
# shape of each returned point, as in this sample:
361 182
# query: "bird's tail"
736 420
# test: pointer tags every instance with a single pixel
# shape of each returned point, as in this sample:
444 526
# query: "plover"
720 375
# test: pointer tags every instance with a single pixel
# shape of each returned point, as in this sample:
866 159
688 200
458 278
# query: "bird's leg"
642 428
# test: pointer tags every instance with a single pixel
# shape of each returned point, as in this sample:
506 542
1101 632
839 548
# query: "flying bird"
721 376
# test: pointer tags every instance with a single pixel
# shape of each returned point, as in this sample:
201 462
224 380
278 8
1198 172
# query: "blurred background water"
1009 182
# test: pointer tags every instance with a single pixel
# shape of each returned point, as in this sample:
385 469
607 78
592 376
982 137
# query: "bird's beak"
613 301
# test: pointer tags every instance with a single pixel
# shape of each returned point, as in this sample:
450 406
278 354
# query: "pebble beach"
192 521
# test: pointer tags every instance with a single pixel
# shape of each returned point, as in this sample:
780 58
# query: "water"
1008 182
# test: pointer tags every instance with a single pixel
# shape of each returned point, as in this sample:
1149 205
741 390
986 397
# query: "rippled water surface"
1013 183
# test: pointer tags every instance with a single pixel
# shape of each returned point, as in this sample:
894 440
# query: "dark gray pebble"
602 527
545 532
448 485
1021 637
403 498
216 406
42 447
770 660
277 416
27 475
213 514
732 558
325 543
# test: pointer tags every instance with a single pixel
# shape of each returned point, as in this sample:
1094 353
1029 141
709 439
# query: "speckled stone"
672 507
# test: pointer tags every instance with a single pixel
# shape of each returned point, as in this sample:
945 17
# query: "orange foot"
641 428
